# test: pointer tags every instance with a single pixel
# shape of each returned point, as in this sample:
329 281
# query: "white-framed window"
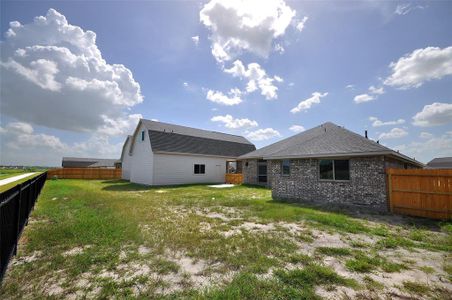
199 169
334 169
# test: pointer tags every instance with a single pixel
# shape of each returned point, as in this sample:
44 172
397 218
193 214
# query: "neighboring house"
440 163
165 154
80 162
125 158
327 164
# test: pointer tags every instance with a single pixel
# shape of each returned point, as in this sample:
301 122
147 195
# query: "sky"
76 76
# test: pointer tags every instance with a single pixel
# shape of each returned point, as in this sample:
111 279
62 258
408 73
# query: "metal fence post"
19 203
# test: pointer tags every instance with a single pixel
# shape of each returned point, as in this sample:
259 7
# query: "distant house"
80 162
440 163
328 165
165 154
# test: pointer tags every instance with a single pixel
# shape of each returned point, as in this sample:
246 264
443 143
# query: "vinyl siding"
178 169
141 167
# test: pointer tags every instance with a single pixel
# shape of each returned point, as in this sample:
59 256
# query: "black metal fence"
15 207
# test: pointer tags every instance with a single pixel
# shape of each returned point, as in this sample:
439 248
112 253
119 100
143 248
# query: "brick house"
326 165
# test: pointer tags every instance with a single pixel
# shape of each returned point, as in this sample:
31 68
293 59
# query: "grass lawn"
103 239
14 183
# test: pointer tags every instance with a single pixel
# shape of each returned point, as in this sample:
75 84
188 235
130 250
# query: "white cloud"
233 123
120 126
433 115
405 8
195 40
22 146
279 48
297 128
394 133
363 98
54 75
237 26
425 135
300 25
350 86
263 134
306 104
233 97
419 66
376 91
378 123
257 78
428 149
371 95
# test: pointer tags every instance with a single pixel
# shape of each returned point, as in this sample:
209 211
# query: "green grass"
6 187
111 220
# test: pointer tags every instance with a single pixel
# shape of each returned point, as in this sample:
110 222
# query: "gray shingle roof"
327 139
81 162
172 138
440 163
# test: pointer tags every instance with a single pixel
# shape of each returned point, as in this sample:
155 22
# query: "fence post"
391 207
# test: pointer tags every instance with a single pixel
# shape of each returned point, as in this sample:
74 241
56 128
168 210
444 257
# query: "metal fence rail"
15 207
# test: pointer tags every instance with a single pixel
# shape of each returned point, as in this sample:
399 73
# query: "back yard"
111 238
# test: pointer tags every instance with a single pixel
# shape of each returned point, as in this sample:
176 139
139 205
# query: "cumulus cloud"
378 123
238 26
21 145
300 25
54 75
119 126
257 78
233 97
429 148
433 115
308 103
422 65
372 94
231 122
296 128
394 133
195 40
263 134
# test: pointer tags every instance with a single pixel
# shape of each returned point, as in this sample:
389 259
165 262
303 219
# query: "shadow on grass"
123 185
362 213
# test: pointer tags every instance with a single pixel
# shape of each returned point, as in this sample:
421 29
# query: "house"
81 162
165 154
326 165
440 163
125 158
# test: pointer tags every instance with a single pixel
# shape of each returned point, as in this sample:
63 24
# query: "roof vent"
164 130
378 141
365 134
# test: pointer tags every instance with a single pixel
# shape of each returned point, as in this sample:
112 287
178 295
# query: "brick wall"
366 189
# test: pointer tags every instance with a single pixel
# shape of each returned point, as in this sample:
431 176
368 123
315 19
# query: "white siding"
178 169
142 159
126 161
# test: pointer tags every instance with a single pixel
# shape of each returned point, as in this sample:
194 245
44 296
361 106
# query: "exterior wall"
397 164
366 189
126 162
179 169
142 160
250 172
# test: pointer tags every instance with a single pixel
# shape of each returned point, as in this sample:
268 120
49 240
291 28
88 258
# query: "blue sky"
342 51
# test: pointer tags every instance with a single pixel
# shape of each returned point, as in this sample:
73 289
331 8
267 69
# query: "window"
200 169
142 135
337 169
285 167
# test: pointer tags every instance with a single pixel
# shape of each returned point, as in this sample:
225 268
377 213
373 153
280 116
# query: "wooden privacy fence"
234 178
84 173
423 193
